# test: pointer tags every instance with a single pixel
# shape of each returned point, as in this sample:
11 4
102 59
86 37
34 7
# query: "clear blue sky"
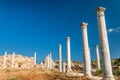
27 26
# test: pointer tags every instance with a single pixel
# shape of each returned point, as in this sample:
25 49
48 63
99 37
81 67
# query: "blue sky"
27 26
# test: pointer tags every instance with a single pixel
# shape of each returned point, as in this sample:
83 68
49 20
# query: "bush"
116 72
99 71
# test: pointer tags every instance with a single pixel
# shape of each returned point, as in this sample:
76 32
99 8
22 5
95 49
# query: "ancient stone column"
64 67
4 63
35 58
42 66
53 64
50 61
97 57
13 56
107 68
46 62
60 57
68 55
86 50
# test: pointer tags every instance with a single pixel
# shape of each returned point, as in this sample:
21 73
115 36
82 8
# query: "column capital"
84 25
100 9
96 45
68 38
50 54
59 45
13 51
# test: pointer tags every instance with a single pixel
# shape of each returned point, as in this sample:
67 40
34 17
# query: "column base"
108 78
87 75
69 70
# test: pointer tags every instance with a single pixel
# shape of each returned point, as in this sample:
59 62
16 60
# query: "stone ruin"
19 61
26 62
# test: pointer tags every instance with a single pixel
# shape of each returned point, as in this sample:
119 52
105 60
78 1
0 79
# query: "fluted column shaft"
97 57
107 68
35 58
68 55
86 50
64 67
4 63
50 60
13 59
60 57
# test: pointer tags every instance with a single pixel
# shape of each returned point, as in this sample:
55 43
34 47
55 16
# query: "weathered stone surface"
86 50
107 69
60 57
97 57
68 55
19 61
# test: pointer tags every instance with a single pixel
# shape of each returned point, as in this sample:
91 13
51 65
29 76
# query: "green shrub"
116 72
100 71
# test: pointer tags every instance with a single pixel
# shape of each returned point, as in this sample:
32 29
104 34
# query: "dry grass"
100 74
35 74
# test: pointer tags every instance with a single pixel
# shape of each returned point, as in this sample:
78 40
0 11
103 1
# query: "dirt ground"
35 74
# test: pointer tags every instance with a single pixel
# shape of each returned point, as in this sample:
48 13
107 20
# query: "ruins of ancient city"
85 69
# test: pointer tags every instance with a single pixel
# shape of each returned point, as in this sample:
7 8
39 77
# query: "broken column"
13 56
35 58
46 62
64 67
50 61
41 65
60 57
4 63
86 50
97 57
68 55
106 61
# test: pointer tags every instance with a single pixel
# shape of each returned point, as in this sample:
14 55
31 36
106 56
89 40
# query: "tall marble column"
35 58
60 57
42 66
4 62
107 68
64 67
86 50
13 58
50 61
97 57
68 55
46 62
